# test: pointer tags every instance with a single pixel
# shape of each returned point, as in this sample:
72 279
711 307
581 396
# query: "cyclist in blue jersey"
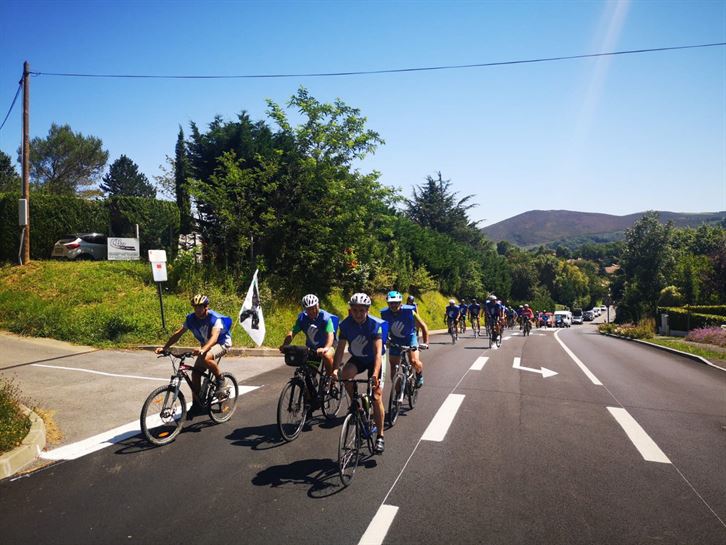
363 334
211 329
463 311
411 301
451 314
317 324
493 311
474 314
402 323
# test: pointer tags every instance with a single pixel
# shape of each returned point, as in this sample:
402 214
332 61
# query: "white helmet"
452 302
360 299
492 297
309 300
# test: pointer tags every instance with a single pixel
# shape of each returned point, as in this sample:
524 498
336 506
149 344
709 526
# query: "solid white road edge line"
97 372
378 528
107 438
479 363
642 441
581 365
438 427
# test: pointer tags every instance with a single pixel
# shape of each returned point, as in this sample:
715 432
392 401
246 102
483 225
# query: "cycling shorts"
411 340
361 366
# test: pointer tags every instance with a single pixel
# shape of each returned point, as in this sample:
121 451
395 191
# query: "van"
566 317
577 316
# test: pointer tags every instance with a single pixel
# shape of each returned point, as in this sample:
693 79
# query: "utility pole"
26 158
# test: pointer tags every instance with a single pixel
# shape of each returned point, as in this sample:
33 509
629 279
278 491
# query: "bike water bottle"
366 404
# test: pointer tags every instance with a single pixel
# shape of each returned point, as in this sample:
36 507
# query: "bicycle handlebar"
181 356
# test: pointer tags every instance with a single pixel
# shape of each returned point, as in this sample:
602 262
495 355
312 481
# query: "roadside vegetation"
14 424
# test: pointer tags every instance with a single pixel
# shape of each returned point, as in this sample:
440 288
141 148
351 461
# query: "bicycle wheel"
162 415
292 410
349 446
222 407
395 398
331 396
411 390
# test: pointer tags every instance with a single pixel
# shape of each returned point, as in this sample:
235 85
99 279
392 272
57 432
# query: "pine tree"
181 172
124 179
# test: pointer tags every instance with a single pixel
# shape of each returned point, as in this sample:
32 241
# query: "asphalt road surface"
625 445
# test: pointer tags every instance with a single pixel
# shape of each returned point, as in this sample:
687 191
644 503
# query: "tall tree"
9 179
66 162
181 174
124 179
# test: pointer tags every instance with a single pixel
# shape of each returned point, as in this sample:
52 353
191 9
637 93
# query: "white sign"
159 270
123 249
157 256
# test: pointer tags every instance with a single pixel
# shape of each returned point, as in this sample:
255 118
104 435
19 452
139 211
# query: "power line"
387 71
20 86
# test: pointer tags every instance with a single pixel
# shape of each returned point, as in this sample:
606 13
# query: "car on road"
588 316
81 246
563 318
603 308
576 316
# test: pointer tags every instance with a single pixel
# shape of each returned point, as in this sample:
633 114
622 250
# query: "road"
628 446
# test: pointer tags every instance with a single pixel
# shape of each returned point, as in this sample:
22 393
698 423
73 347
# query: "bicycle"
164 410
495 333
527 327
462 325
403 383
475 328
453 330
358 427
304 392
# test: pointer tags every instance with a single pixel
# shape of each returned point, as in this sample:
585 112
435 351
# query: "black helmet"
410 300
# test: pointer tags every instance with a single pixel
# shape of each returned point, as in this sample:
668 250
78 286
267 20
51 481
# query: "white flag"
250 315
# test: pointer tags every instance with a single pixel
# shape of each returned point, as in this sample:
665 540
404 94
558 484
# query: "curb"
22 456
234 351
694 357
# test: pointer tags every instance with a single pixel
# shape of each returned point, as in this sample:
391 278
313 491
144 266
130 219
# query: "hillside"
545 226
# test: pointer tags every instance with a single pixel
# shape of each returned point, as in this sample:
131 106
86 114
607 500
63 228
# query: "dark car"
81 246
588 316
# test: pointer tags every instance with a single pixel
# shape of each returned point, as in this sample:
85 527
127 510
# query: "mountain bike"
403 383
308 389
164 410
453 330
358 429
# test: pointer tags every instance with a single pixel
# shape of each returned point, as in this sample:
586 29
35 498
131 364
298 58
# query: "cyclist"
411 301
364 336
451 315
402 323
526 314
463 311
474 313
493 311
319 329
211 329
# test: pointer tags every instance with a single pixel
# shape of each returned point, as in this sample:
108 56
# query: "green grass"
116 304
14 425
671 342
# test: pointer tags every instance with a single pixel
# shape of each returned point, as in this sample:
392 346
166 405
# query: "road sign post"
157 258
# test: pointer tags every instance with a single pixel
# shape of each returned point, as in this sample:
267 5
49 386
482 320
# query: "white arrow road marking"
543 371
506 338
479 364
378 528
642 441
107 438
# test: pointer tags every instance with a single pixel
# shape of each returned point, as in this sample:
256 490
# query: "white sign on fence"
123 249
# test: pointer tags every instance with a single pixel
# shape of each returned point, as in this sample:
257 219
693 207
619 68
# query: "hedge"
678 318
55 215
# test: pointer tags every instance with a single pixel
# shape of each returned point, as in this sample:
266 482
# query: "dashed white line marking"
479 364
438 427
98 372
581 365
378 528
107 438
642 441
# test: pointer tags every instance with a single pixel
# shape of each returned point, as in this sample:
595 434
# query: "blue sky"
616 134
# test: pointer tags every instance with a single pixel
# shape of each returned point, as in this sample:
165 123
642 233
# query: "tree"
9 179
181 173
125 180
65 161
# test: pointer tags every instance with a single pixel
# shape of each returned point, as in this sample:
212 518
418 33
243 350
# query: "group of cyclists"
496 315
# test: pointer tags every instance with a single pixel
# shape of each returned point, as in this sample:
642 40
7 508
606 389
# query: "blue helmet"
394 297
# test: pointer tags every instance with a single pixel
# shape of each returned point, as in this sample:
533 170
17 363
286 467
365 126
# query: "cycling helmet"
526 305
410 300
473 301
360 299
463 301
522 306
452 302
492 297
309 300
200 299
394 297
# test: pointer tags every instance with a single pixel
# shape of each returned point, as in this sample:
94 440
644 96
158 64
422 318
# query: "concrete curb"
694 357
31 447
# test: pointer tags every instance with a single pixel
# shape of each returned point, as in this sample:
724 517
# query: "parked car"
603 308
576 316
588 316
81 246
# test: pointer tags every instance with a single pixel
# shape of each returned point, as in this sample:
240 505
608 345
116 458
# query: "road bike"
453 330
462 325
308 389
495 332
358 431
403 383
526 326
164 410
475 326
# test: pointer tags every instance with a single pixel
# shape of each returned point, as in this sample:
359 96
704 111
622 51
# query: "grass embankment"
116 304
690 348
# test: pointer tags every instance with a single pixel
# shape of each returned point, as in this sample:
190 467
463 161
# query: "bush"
14 424
670 297
643 330
708 335
679 319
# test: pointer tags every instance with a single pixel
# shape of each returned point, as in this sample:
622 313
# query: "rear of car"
81 246
577 316
588 316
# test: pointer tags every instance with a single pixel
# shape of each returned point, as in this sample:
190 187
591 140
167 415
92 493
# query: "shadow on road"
320 474
257 437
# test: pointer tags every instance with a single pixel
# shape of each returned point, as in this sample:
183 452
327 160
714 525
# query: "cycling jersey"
402 324
474 309
361 337
528 313
493 309
317 330
202 329
463 310
452 312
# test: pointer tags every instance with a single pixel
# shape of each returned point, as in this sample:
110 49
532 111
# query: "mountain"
546 226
